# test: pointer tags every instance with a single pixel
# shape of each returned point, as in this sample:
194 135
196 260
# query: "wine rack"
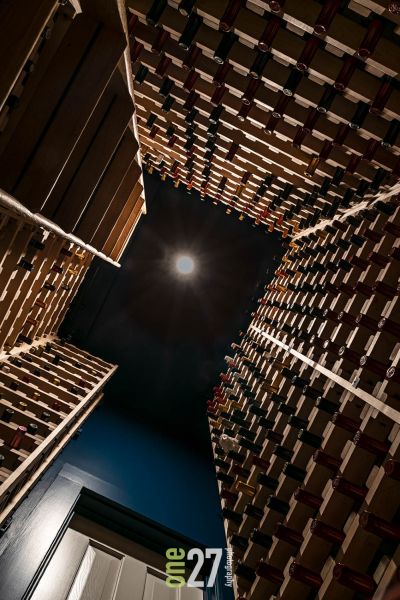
78 168
305 423
47 390
285 112
40 274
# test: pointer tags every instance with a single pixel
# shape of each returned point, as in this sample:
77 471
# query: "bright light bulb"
184 265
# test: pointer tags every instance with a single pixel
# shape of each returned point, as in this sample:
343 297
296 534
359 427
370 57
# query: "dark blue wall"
156 476
153 475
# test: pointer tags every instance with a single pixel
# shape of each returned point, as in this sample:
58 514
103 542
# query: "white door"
83 569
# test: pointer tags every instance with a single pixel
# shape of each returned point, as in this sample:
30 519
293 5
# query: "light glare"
184 265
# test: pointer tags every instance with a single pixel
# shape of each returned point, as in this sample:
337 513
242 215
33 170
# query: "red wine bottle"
359 582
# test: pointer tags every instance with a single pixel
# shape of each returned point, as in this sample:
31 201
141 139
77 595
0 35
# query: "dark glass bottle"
278 505
224 47
305 575
347 488
379 527
359 582
348 68
269 33
260 538
296 473
307 498
231 515
192 26
191 57
231 12
141 74
327 532
156 10
258 66
326 460
269 572
287 534
244 571
308 53
371 38
160 40
186 6
7 415
292 82
326 16
18 438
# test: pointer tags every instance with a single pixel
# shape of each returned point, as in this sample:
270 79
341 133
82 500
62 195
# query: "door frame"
39 524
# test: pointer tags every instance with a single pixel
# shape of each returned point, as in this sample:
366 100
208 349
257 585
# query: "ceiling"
287 112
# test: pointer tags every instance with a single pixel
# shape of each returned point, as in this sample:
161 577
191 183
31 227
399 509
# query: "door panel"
83 569
82 575
63 567
155 589
101 577
132 580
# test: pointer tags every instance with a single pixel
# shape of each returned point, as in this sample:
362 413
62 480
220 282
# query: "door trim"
39 525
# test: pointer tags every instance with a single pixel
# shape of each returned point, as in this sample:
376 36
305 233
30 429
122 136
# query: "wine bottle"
260 538
143 71
305 575
382 96
326 16
348 68
367 442
278 505
258 66
186 6
296 473
231 515
324 459
160 40
245 571
269 34
224 47
267 481
327 532
307 498
350 489
287 534
18 437
192 26
379 527
364 584
308 53
231 12
7 415
371 38
155 12
269 572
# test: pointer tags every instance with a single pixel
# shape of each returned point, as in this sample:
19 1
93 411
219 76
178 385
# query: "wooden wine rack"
312 398
68 136
287 147
51 388
40 274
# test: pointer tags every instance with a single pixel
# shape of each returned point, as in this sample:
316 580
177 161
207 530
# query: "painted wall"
155 475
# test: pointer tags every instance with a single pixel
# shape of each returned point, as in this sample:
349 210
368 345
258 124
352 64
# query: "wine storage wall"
47 390
310 483
68 143
284 111
40 273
